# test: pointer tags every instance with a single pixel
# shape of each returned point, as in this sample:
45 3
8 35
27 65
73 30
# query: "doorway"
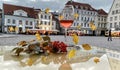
20 29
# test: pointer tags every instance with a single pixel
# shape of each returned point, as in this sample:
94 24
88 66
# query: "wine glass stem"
65 34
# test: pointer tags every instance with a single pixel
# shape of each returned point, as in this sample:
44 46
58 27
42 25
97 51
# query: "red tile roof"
102 12
9 9
81 5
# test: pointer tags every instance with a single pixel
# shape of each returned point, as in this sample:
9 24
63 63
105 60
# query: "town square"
59 35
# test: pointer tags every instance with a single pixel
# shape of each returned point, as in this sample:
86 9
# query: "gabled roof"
83 6
9 9
102 12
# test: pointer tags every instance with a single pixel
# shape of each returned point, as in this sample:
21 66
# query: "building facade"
17 18
86 14
0 20
102 22
114 16
46 22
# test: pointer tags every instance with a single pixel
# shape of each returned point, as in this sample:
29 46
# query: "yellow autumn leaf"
16 28
38 37
75 39
92 26
96 60
86 46
71 54
43 58
11 29
30 62
78 27
47 10
61 17
76 15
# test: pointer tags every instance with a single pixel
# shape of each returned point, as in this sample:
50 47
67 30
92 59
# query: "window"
45 17
113 12
49 17
87 25
81 24
115 17
52 23
13 21
115 25
20 22
8 20
49 23
98 24
111 18
82 19
74 24
110 25
45 23
31 23
41 16
119 24
26 22
20 14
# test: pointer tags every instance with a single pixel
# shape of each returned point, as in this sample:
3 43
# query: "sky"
57 5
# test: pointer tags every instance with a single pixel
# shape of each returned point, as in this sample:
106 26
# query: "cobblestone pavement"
98 41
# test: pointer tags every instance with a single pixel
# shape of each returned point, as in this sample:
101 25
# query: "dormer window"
20 14
76 6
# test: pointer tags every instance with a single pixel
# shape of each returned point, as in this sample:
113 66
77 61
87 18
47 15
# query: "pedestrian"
109 35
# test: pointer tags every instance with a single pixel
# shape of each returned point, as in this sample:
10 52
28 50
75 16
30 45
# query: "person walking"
109 35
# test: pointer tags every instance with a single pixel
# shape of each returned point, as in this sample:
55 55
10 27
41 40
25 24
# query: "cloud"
58 4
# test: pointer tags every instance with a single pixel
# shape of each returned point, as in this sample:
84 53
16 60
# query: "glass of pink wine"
66 18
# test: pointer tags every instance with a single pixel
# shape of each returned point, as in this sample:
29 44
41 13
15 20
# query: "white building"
0 20
102 22
86 14
18 17
46 22
114 15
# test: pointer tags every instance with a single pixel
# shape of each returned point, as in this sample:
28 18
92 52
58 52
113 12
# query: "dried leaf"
86 46
96 60
14 49
78 27
76 15
92 26
61 17
43 58
18 51
47 10
30 62
75 39
38 37
71 54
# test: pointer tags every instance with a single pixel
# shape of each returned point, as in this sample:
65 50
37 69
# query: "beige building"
45 22
102 22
